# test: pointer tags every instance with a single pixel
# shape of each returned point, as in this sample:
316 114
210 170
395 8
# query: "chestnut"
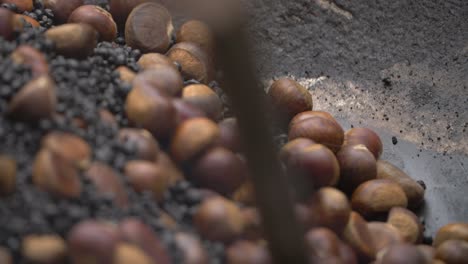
452 251
73 40
197 32
107 181
45 249
402 253
21 21
245 194
220 170
98 18
154 38
21 5
169 168
149 60
128 253
289 98
186 110
315 166
192 249
219 219
70 147
195 63
347 254
308 114
384 235
165 79
413 190
374 197
245 252
31 57
322 243
330 208
7 175
35 101
147 176
357 165
192 137
451 231
5 255
147 108
120 9
144 144
321 130
427 251
204 98
229 134
92 241
253 230
359 237
141 235
407 224
7 24
125 74
366 137
62 8
294 146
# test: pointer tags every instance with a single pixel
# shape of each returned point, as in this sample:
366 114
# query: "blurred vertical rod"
284 234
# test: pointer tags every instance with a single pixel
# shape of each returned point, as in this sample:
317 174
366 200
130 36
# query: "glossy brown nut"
143 143
165 79
120 9
357 165
21 21
192 249
147 108
366 137
46 249
35 101
402 253
322 243
139 234
92 241
314 164
294 146
126 75
172 172
374 197
452 251
194 61
205 99
185 110
413 190
7 175
220 170
149 60
128 253
154 38
308 114
407 224
289 98
451 231
384 235
147 176
192 137
62 8
358 236
5 255
22 5
69 147
55 174
32 58
229 134
219 219
107 182
197 32
245 194
330 208
245 252
253 230
6 24
427 251
321 130
98 18
73 40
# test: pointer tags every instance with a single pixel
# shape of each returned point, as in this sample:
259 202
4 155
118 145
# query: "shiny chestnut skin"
204 98
71 147
7 174
125 74
120 9
22 5
147 176
219 219
407 224
294 146
186 110
229 134
322 243
156 38
98 18
62 8
149 60
6 24
402 253
311 113
289 98
358 236
73 40
245 252
452 251
192 137
450 231
413 190
384 235
195 63
366 137
357 165
27 55
220 170
44 249
165 79
198 32
321 130
141 140
375 197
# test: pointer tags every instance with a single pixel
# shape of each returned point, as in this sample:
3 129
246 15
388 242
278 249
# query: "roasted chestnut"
192 249
451 231
98 18
366 137
44 249
31 57
195 63
229 134
452 251
7 174
402 254
289 98
245 252
149 60
407 224
73 40
197 32
147 176
384 235
165 79
62 8
7 24
142 142
359 237
357 165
